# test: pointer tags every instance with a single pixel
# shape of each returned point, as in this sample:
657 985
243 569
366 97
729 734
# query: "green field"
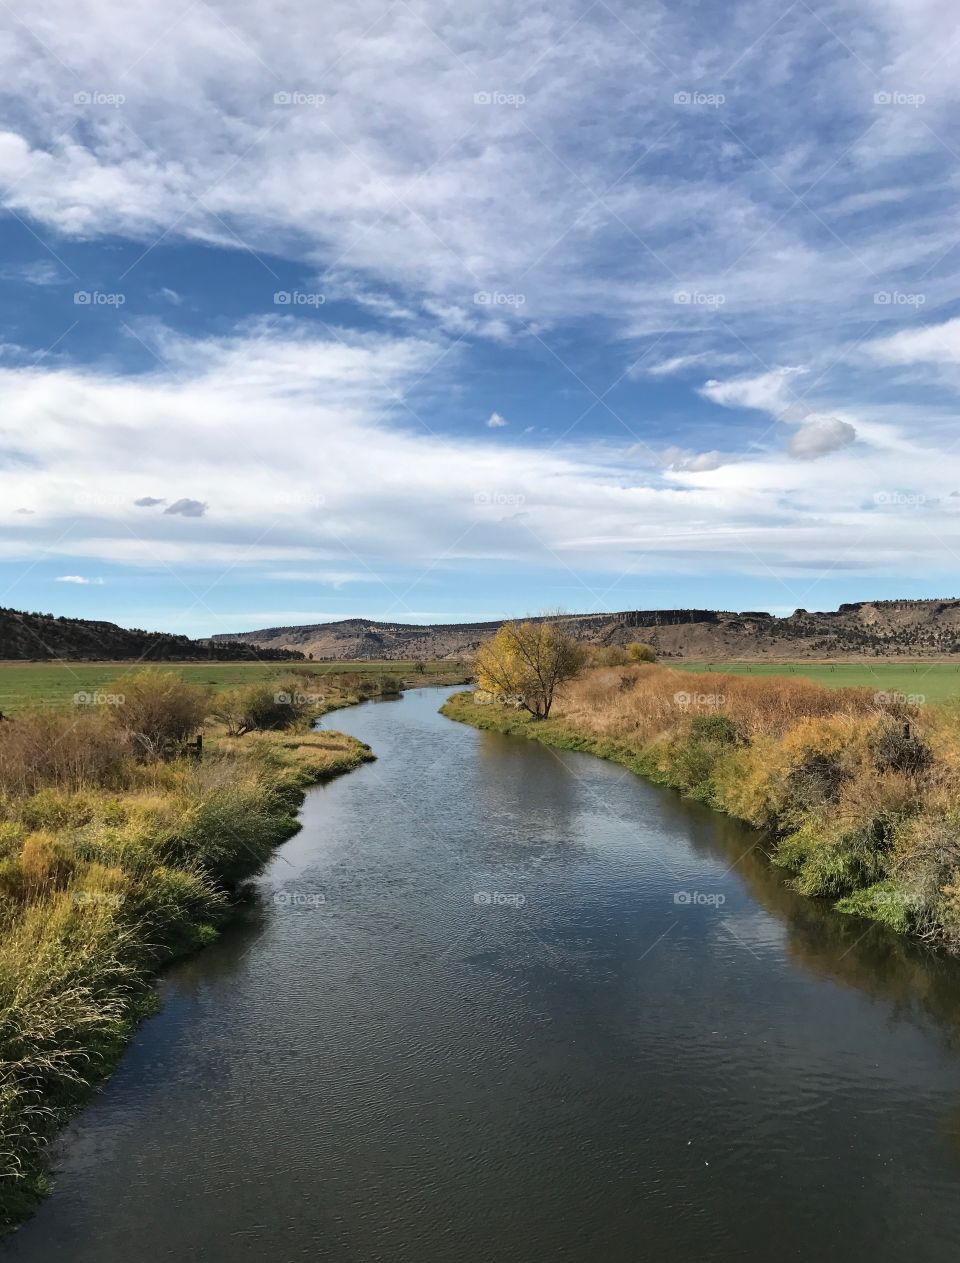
55 683
933 681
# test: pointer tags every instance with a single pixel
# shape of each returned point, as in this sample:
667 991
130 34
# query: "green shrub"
716 728
827 865
885 902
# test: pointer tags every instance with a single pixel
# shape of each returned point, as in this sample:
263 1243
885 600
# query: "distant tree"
527 662
262 706
637 651
420 666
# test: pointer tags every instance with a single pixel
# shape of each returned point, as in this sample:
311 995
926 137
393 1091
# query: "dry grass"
641 701
857 797
112 861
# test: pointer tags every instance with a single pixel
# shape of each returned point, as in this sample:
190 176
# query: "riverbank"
110 867
857 793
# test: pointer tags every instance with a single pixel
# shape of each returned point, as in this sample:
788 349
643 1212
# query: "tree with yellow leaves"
527 662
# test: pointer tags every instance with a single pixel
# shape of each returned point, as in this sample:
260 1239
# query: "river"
499 1002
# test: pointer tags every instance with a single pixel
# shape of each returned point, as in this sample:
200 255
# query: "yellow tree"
637 651
527 661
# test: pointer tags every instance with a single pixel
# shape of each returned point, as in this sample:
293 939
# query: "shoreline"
716 771
38 1102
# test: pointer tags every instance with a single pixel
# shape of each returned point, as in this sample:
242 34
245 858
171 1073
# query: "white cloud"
372 492
77 578
36 272
679 458
933 344
820 437
496 422
401 181
455 219
769 392
682 363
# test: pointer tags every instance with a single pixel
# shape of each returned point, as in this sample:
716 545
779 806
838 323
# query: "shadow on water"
916 981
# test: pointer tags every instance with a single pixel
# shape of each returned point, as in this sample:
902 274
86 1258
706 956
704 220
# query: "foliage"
857 794
637 651
111 864
528 661
156 710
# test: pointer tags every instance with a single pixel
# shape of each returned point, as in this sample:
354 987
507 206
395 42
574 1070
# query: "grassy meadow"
934 681
55 683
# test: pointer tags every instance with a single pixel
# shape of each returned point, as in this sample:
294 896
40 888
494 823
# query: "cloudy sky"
428 311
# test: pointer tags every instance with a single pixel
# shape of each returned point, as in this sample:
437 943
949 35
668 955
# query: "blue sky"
421 312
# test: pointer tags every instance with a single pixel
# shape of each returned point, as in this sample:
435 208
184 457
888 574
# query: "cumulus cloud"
187 508
820 437
148 502
496 422
679 458
78 578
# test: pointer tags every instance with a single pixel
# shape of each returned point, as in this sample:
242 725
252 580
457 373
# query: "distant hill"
44 637
911 629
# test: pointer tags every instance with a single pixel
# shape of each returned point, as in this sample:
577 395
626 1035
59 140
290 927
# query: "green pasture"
55 683
933 681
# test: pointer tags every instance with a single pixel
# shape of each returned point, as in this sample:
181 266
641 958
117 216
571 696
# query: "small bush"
637 651
159 709
716 728
895 749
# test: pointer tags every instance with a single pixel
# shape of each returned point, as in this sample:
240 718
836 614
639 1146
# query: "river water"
499 1002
